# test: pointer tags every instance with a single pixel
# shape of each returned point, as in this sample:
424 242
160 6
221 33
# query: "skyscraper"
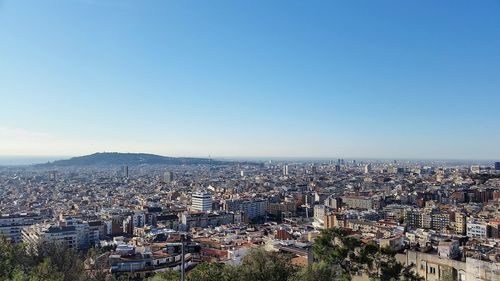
497 166
285 170
125 171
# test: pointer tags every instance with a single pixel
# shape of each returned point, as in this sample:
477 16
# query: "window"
432 270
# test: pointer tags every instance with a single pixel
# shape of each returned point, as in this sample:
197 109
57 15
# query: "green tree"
169 275
316 272
47 262
63 259
45 271
96 265
213 272
336 248
347 255
259 265
19 275
13 260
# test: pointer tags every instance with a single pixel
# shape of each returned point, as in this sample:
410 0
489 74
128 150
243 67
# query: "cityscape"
263 140
441 218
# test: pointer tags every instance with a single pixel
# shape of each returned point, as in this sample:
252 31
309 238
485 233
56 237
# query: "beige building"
433 267
358 202
460 223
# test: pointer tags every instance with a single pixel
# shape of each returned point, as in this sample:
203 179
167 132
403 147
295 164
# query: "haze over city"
359 79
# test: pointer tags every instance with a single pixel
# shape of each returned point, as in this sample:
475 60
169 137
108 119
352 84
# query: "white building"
201 201
285 170
368 168
38 234
319 216
139 219
11 225
250 208
477 230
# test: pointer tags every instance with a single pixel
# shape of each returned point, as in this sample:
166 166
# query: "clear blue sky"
392 79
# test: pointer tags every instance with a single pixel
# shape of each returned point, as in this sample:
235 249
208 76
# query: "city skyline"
261 79
257 140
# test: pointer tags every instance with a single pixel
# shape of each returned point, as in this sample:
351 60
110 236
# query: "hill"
116 158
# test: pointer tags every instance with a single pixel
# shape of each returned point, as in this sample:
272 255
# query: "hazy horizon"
22 160
384 79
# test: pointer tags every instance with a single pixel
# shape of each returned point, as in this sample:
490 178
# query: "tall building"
440 220
125 171
285 170
201 201
368 168
460 223
413 218
314 169
168 177
319 215
139 219
497 166
52 176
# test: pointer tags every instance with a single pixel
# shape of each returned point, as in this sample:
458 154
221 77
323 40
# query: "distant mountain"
116 158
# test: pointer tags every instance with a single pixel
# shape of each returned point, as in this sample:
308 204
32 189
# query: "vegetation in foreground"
339 257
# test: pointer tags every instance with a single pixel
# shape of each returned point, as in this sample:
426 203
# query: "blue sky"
389 79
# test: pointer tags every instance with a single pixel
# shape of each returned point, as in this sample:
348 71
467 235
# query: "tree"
316 272
45 271
19 275
346 254
47 262
169 275
96 264
64 260
13 260
259 265
213 272
336 248
409 275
